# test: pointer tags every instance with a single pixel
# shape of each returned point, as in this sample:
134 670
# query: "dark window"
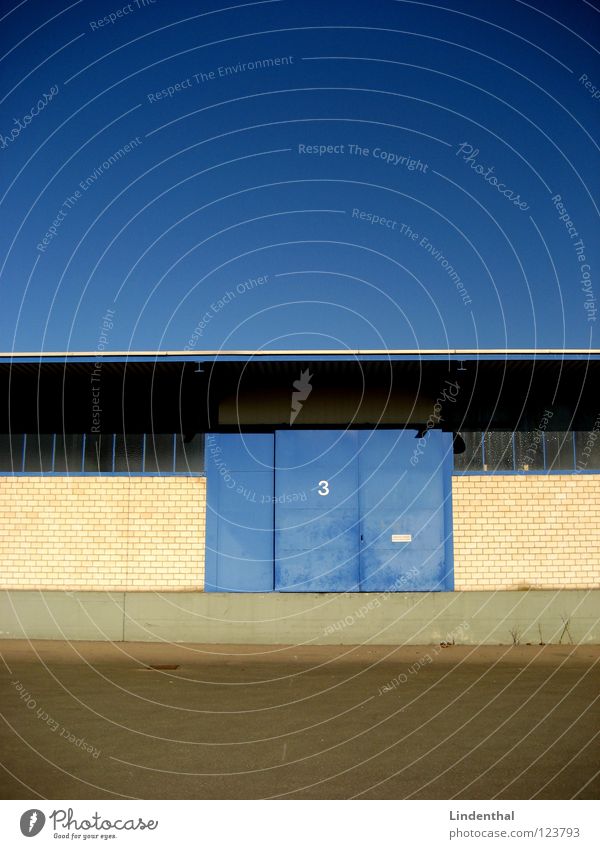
559 451
159 453
68 453
11 452
99 453
471 458
532 451
498 446
129 450
189 457
587 450
529 450
39 450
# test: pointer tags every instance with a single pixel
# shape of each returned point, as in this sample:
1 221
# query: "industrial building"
257 495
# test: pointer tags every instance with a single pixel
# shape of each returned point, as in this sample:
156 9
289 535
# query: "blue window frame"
157 454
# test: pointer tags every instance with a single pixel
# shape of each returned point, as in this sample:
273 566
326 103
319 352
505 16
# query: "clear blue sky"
460 122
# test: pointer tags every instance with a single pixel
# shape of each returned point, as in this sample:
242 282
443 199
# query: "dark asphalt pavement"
90 720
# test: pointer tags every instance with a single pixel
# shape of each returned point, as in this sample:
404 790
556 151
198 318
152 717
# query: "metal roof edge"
381 352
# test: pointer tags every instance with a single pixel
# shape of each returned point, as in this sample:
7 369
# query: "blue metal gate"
239 512
362 510
316 511
329 511
406 511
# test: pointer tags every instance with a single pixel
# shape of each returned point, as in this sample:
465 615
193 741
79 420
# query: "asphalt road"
91 720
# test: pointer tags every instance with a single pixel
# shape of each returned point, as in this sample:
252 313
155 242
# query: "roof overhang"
166 391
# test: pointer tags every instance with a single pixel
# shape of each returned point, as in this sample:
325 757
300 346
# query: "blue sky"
296 174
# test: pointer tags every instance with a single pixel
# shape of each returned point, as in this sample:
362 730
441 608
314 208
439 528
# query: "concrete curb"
467 618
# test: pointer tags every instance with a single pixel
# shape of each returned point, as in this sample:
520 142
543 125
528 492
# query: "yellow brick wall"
102 533
519 531
148 533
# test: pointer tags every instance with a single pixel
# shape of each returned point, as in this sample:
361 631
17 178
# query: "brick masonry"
102 533
515 532
147 533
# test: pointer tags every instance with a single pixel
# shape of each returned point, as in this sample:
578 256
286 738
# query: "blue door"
239 520
363 510
329 511
405 510
316 511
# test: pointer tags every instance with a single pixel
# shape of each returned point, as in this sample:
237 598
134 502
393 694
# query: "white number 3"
323 488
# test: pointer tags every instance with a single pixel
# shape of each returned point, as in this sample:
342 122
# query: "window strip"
544 452
58 454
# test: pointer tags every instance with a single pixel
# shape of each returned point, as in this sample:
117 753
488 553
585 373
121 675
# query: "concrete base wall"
469 618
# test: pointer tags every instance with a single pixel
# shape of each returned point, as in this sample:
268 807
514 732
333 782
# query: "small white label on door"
401 537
